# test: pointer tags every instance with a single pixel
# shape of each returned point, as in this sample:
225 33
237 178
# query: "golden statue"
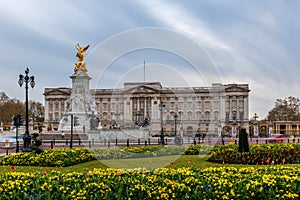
80 55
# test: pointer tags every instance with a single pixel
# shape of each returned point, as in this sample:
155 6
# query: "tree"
3 98
36 111
286 109
11 108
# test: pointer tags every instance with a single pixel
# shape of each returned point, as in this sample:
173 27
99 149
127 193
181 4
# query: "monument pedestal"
81 106
93 134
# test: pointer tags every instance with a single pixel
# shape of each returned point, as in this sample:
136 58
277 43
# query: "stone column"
145 107
246 108
130 110
153 114
138 104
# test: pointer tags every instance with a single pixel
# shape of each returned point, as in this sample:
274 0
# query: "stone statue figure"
78 102
94 121
80 55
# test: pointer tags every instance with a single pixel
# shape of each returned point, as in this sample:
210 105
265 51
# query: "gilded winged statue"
81 52
80 55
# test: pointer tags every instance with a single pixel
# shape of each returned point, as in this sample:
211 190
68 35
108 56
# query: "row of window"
181 116
171 105
55 117
56 106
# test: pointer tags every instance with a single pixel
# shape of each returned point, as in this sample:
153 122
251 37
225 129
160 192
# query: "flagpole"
144 72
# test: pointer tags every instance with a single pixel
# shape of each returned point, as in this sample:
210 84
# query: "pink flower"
267 161
172 163
189 163
87 174
44 172
13 168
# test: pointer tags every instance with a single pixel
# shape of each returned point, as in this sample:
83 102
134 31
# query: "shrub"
259 154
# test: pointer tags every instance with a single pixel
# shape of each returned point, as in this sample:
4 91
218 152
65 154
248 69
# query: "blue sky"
194 43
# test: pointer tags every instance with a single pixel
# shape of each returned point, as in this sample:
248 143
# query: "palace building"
188 110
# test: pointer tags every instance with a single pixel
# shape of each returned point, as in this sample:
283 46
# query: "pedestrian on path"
62 135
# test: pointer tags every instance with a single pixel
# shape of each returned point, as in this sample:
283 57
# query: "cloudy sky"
183 43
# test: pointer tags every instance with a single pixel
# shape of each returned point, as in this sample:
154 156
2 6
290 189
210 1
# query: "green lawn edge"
193 161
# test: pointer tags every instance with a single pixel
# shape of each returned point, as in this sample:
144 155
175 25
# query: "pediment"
57 91
236 88
141 90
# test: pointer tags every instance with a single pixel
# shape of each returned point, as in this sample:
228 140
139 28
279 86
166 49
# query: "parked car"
275 138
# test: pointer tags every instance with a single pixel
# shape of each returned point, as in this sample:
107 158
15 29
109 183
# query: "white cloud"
179 19
255 42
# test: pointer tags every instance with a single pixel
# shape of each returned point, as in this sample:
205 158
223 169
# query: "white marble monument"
81 104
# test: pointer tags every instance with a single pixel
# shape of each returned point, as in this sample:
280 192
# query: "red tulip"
13 168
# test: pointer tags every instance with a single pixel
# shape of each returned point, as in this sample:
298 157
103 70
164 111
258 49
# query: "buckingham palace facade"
187 109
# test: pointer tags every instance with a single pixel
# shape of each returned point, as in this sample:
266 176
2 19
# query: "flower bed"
51 157
259 154
68 157
278 182
278 153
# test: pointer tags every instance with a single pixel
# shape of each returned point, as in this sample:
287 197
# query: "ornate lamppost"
255 125
30 80
234 127
270 129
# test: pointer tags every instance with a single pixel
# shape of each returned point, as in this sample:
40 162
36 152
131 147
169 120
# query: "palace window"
105 116
207 105
113 116
56 106
207 116
198 116
227 117
241 116
189 116
56 117
113 106
216 116
104 105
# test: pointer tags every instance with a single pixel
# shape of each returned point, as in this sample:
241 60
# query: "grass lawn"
196 161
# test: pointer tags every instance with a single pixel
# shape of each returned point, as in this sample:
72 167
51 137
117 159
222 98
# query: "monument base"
93 135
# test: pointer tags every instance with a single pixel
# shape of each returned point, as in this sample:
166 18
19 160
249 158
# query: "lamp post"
270 129
161 109
30 80
234 124
255 125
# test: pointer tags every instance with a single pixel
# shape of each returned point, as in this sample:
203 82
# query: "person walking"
62 135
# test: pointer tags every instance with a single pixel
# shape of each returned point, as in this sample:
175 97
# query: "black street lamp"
30 80
162 137
255 125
